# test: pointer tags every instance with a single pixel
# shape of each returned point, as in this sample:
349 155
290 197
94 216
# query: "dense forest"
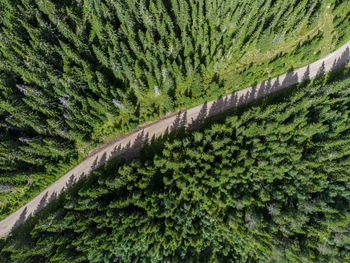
74 73
267 183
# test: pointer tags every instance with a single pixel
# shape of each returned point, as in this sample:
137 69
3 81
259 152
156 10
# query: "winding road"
129 144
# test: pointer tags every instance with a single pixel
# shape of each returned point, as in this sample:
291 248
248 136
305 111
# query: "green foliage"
270 184
74 73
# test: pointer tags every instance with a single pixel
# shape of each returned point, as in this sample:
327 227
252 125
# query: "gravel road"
129 144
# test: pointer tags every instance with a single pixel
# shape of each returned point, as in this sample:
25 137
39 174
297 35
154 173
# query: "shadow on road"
345 56
23 217
208 109
195 123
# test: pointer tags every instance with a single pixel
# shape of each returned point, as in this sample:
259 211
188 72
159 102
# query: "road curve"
130 143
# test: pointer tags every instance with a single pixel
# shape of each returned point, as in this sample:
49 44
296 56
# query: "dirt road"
132 142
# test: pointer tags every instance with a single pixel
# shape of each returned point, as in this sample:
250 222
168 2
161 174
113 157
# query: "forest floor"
130 144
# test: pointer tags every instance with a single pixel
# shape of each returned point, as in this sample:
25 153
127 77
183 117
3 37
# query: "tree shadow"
221 105
195 123
245 96
216 107
42 203
275 86
345 56
99 161
102 159
94 164
255 92
265 88
321 70
290 79
116 151
183 120
306 75
134 150
22 218
71 181
52 197
166 132
81 176
62 190
177 122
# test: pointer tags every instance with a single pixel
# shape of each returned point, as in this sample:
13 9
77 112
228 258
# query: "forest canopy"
268 183
74 73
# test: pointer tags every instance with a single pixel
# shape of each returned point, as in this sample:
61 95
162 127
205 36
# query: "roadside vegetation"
268 182
75 73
